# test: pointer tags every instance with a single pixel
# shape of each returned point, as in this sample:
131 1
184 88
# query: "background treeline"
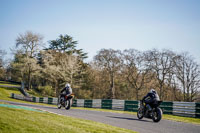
127 74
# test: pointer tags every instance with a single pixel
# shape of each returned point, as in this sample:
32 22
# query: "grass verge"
182 119
6 92
18 120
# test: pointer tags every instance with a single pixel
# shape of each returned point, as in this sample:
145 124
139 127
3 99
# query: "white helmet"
67 85
152 91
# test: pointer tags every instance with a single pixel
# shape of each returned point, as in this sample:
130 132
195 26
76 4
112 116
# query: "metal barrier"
187 109
131 106
117 104
88 103
80 102
96 103
167 107
106 104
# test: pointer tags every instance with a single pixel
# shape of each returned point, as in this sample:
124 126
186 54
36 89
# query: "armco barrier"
197 110
106 104
188 109
74 104
167 107
41 99
50 100
45 100
131 106
88 103
37 99
96 103
117 104
80 103
34 99
55 101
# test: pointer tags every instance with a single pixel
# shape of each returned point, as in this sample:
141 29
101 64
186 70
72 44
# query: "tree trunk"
112 87
137 95
188 94
57 88
29 78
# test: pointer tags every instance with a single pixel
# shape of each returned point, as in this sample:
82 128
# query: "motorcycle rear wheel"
140 113
157 115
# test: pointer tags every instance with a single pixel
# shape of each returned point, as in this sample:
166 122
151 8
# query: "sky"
97 24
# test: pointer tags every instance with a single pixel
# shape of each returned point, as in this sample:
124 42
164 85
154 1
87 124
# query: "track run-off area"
126 121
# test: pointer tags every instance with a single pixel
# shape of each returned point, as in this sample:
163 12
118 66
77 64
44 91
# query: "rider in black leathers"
150 99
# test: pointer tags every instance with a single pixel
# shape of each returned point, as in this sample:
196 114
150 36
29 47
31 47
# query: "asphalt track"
121 120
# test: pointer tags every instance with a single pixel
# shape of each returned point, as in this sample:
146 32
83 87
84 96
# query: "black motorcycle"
65 101
155 113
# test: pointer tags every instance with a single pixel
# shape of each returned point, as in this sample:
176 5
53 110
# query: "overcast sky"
97 24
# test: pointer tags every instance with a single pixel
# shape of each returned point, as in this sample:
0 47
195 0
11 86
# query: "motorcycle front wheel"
59 106
157 115
68 104
140 113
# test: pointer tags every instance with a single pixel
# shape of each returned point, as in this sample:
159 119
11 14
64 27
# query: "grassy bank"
18 120
30 92
6 92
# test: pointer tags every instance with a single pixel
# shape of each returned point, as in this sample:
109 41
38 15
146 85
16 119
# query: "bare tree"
188 73
29 44
135 71
161 64
109 60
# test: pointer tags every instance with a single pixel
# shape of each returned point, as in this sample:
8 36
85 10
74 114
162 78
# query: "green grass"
182 119
6 92
18 120
34 93
31 92
8 83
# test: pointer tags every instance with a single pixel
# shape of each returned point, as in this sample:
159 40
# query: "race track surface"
122 120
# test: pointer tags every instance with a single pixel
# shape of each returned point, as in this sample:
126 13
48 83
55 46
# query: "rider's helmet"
67 85
152 91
